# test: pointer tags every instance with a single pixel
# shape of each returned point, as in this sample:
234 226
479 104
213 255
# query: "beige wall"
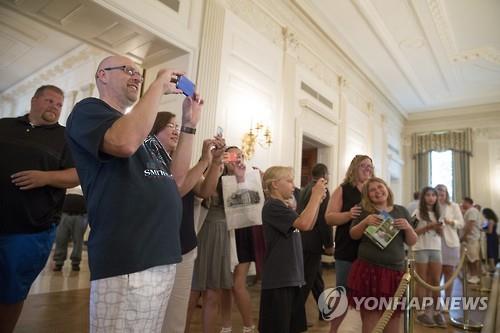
361 120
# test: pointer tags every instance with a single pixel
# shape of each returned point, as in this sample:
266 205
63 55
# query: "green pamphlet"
384 233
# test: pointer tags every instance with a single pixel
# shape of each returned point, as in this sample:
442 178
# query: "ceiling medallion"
412 43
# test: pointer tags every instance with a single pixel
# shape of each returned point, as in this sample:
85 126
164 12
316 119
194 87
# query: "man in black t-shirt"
315 241
134 207
35 171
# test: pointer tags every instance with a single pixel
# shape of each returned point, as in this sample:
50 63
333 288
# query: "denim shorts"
342 269
22 258
426 256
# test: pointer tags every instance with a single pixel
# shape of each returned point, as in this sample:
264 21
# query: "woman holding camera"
163 141
212 274
427 252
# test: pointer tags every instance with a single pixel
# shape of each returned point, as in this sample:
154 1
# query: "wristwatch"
188 130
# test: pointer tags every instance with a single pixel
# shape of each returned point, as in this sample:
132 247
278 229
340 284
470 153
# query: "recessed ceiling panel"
35 33
11 50
59 11
27 46
117 34
425 54
474 24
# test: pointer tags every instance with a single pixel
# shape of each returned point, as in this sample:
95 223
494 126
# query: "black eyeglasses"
127 69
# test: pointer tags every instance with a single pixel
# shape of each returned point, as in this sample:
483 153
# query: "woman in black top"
343 207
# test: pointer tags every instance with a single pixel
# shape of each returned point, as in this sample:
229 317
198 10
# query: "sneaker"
425 320
473 280
75 268
57 268
439 320
248 329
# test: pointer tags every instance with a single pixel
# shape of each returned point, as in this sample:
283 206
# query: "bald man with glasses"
134 207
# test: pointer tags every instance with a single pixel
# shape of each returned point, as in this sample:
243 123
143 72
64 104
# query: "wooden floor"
58 302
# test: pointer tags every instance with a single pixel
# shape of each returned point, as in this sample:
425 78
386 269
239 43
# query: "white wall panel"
250 87
358 138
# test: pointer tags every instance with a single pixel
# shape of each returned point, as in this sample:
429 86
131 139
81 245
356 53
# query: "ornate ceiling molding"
284 37
62 65
443 26
392 47
489 54
258 19
313 62
292 42
445 33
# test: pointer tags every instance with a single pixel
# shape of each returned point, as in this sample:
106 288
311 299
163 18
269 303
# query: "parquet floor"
58 302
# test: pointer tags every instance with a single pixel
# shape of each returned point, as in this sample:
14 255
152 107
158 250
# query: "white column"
209 71
342 129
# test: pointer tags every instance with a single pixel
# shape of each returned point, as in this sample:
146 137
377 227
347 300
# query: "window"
442 170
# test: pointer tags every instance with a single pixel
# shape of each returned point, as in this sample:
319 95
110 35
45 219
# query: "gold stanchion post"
464 322
409 318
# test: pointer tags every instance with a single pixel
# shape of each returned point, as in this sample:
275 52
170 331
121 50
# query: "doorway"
309 159
313 152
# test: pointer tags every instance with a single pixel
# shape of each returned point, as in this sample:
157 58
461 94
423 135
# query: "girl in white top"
427 253
450 244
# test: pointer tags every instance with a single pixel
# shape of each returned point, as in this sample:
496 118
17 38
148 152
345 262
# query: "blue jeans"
22 258
342 269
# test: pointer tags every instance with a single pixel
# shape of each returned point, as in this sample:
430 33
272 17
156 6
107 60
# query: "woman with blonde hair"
343 207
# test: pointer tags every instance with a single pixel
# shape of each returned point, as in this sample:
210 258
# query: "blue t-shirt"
134 207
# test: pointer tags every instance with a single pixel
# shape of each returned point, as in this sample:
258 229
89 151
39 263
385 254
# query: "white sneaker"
250 329
473 280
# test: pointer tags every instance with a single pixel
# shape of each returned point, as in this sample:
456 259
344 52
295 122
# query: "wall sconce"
258 135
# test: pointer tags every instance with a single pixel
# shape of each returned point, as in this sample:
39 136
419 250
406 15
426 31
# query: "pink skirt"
369 280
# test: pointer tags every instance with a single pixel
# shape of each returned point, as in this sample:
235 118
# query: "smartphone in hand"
187 87
230 157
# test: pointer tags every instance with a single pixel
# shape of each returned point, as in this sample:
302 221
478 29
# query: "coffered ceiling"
34 33
423 54
27 46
